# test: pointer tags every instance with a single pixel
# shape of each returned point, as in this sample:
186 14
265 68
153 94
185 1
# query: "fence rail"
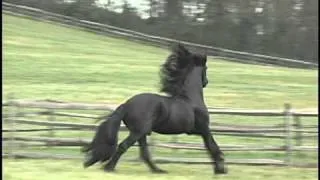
232 55
48 141
159 159
215 129
287 131
108 107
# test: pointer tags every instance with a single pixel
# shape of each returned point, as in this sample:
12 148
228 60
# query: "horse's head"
201 62
180 65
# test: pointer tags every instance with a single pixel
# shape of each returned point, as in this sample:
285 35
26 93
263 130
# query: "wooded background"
284 28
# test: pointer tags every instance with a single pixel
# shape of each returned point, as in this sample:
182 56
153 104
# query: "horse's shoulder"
201 112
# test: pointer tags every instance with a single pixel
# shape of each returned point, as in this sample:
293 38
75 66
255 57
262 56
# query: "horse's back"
142 110
144 101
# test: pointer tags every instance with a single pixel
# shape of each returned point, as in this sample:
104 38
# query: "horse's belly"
179 118
178 127
168 131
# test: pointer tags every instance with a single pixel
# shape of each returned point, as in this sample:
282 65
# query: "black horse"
183 77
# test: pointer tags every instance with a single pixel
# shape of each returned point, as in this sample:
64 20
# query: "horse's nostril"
205 83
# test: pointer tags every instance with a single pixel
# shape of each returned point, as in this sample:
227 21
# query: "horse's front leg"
215 152
202 128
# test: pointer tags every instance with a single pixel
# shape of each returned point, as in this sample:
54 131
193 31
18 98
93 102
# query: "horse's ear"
180 50
204 57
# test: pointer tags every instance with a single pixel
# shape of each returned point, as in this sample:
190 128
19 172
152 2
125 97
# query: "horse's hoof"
89 162
159 171
221 170
108 169
86 165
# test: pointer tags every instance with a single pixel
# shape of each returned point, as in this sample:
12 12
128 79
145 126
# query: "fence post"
151 144
11 121
174 140
299 134
51 118
287 118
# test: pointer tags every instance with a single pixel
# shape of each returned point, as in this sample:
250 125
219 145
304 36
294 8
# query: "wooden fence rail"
15 9
108 107
279 127
49 141
161 159
287 131
217 130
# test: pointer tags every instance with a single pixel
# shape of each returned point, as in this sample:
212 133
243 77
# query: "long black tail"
105 141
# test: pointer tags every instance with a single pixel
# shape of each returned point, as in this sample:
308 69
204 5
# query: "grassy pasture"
72 170
47 61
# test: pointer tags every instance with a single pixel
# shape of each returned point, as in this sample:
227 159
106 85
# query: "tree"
173 10
309 28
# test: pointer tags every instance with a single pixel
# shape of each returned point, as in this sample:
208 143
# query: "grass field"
72 170
47 61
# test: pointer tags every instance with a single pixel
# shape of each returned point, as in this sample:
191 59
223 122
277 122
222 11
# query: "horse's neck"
196 98
193 88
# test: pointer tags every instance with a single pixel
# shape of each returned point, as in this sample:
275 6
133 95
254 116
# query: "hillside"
48 61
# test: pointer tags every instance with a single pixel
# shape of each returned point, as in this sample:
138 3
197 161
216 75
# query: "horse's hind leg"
145 155
122 148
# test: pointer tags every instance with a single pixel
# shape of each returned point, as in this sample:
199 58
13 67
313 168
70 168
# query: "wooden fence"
15 115
226 54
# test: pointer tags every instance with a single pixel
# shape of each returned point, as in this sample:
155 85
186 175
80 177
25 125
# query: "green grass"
72 170
47 61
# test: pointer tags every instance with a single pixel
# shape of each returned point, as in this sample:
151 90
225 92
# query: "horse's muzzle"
205 83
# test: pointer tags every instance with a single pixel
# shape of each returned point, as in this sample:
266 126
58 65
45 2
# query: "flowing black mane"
175 69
